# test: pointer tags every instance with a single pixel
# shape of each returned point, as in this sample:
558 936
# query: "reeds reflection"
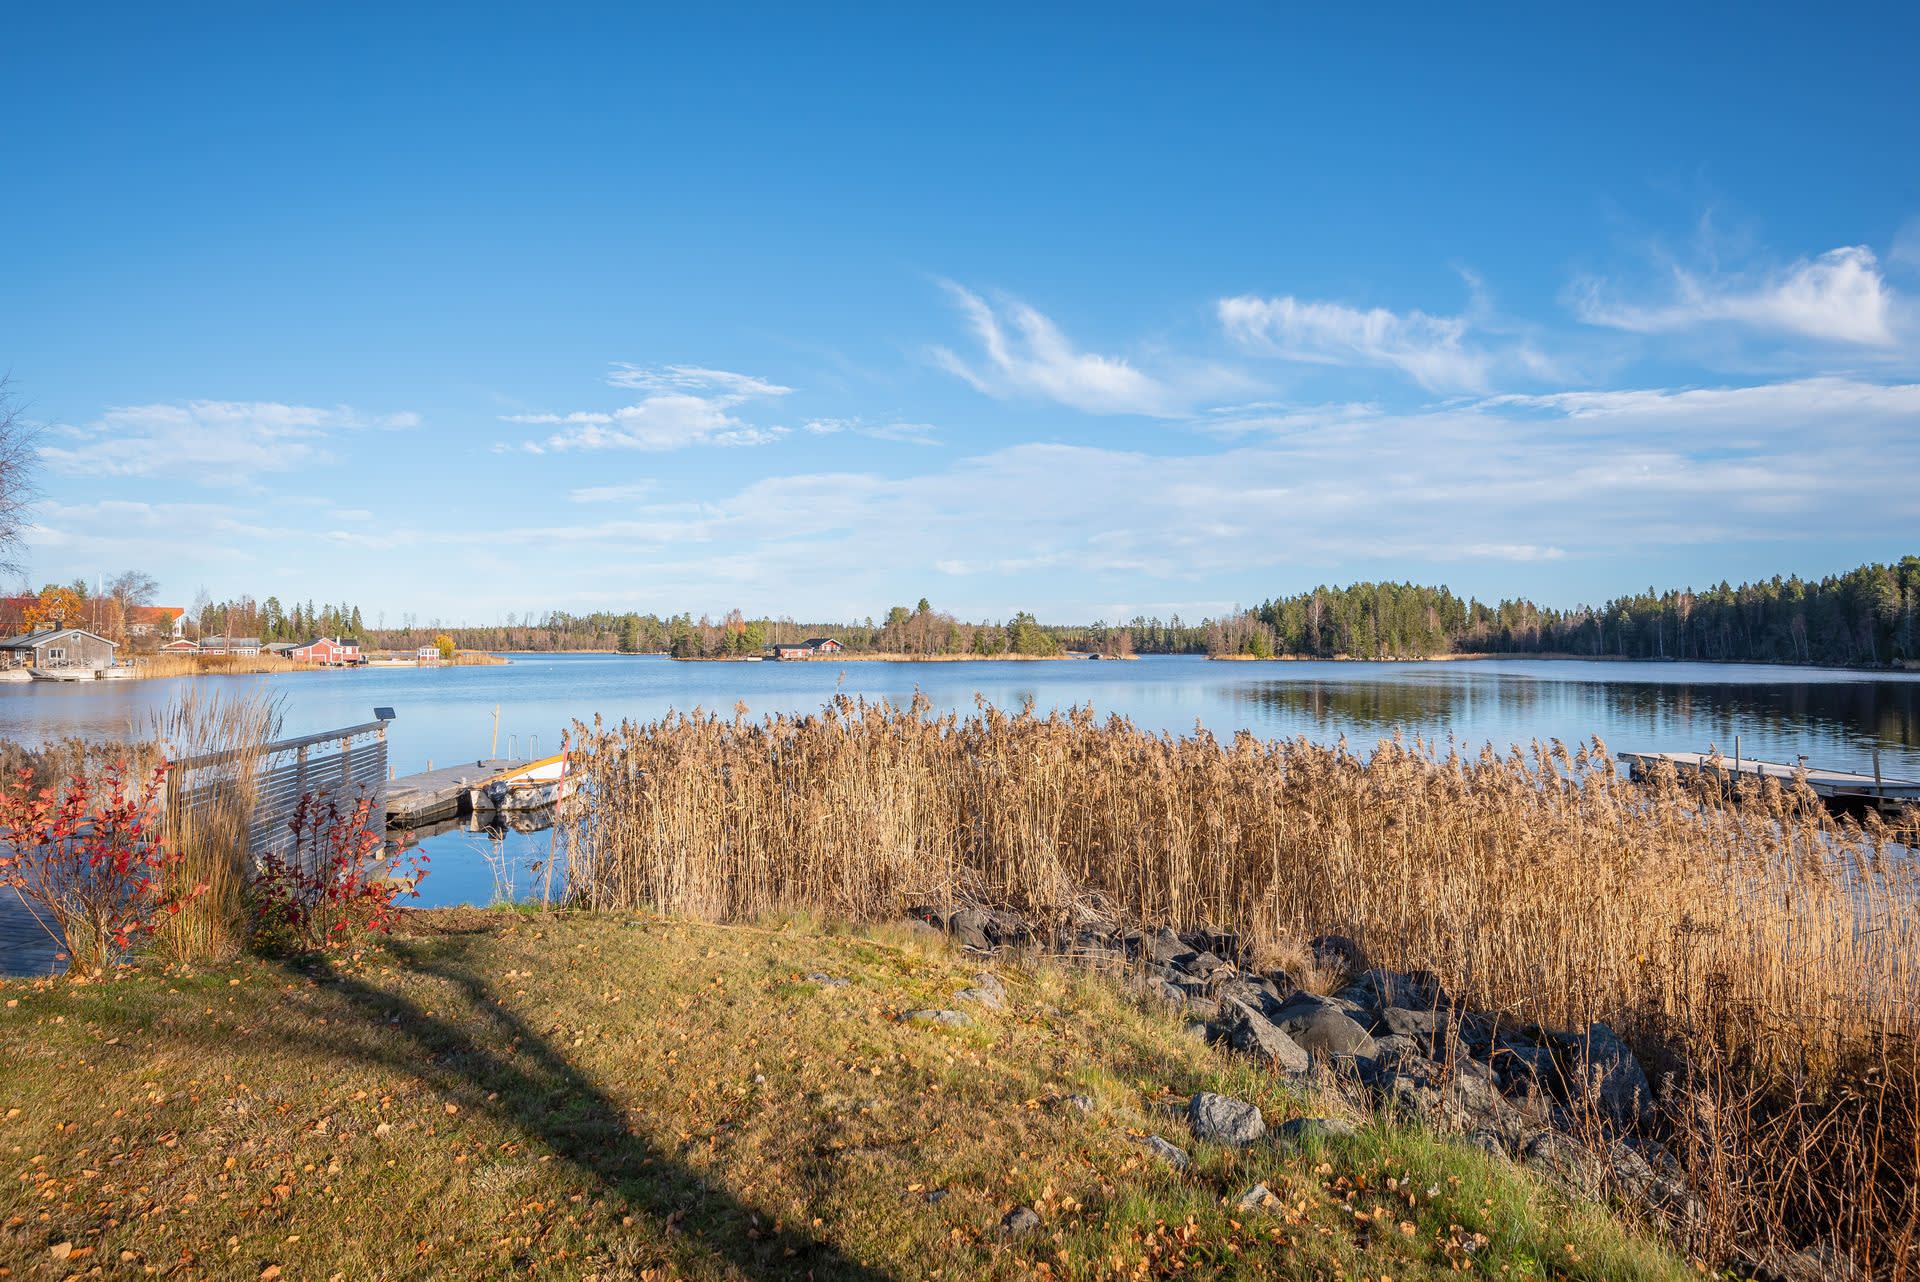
1836 723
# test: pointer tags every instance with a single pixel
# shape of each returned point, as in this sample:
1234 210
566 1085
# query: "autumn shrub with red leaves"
333 887
85 857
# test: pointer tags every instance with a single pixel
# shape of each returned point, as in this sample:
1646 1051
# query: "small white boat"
63 674
529 787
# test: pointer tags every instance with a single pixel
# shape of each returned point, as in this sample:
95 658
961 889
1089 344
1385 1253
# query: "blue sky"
1093 311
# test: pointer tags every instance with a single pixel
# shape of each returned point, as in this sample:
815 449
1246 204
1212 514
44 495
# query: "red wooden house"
326 651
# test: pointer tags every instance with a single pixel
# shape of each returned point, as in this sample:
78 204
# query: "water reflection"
1837 723
497 858
1835 719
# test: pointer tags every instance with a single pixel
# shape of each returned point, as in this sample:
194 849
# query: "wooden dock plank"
1836 786
1816 776
439 794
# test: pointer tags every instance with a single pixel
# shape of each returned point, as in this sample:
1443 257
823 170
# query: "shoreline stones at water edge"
1572 1104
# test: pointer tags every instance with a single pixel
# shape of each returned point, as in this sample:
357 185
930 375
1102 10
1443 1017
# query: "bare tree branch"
19 464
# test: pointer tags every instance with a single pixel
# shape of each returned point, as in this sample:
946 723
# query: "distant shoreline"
1460 657
892 657
1556 656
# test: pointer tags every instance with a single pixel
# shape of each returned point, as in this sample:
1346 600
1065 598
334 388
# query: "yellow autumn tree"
57 606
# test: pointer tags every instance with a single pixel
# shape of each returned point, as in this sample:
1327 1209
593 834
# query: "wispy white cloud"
693 378
1024 354
226 443
684 405
1499 480
1906 246
1432 350
909 433
1839 297
626 492
1797 405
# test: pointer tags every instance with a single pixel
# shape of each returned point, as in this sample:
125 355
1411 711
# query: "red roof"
154 614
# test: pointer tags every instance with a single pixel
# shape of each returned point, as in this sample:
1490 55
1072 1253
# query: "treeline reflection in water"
1832 723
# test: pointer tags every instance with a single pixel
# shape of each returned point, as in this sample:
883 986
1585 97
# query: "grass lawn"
499 1094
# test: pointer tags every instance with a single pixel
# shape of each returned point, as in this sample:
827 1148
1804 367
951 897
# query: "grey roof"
228 642
34 640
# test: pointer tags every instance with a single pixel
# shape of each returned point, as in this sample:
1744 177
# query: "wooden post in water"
1736 759
1879 793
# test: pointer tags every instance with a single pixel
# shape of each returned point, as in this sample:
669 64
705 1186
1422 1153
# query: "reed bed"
1760 955
215 665
212 834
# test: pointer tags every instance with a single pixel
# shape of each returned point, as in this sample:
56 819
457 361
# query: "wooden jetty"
433 795
1836 787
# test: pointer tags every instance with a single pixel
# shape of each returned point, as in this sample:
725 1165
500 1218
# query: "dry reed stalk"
1763 952
209 814
215 665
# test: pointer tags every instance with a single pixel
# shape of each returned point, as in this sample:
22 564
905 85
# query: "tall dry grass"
1761 955
211 829
214 665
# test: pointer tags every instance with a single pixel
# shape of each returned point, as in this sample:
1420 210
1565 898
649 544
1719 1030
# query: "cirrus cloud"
1024 354
1838 297
684 405
1432 350
222 443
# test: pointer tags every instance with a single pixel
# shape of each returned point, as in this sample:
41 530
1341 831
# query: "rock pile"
1573 1104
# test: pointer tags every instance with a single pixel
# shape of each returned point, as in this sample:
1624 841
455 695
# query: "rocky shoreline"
1573 1105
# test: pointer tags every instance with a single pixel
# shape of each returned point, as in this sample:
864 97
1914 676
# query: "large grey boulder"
1019 1221
1566 1162
1257 991
950 1018
1382 989
969 927
1154 986
1602 1073
986 929
987 991
1160 945
1221 1119
1221 943
1251 1033
1254 1198
1172 1155
1337 953
1323 1027
1313 1130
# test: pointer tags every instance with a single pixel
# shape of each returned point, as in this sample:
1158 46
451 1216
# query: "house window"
56 654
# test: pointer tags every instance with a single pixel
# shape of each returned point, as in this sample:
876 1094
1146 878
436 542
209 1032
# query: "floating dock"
434 795
1837 787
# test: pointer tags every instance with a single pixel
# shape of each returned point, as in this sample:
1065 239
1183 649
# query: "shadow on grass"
509 1071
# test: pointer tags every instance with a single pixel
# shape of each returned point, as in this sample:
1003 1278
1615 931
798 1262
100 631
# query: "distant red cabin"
326 651
811 648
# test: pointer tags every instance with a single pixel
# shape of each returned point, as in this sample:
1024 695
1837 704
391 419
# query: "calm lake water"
1835 719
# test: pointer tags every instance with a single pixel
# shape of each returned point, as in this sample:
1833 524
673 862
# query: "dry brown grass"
476 659
1762 953
212 833
215 665
599 1097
